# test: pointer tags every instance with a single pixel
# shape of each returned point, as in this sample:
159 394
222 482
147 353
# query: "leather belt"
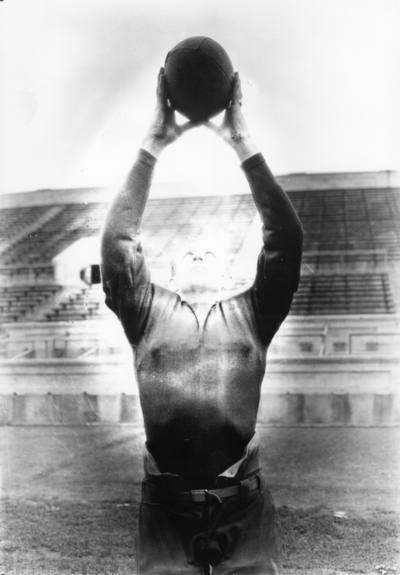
202 495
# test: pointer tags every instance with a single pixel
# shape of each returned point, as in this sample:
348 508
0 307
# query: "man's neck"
200 298
201 303
202 309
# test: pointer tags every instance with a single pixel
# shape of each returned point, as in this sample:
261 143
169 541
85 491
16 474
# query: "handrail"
88 352
22 354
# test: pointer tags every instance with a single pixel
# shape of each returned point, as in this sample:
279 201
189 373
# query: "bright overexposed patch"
320 81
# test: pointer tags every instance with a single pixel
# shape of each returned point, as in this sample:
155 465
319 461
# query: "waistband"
154 494
246 468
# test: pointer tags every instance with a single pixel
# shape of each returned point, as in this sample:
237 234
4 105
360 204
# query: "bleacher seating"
15 220
341 337
343 294
71 223
348 227
16 302
80 304
350 219
332 219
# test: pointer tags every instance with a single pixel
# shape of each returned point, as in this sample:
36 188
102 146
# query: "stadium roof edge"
290 182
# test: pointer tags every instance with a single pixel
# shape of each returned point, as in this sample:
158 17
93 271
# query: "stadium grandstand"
335 360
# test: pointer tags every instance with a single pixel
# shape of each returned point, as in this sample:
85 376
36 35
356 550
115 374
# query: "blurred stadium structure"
335 360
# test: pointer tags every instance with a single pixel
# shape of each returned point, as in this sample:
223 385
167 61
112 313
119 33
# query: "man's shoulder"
239 303
241 295
163 296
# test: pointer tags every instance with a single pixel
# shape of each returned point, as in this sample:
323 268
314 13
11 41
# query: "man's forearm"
153 146
282 230
125 213
275 208
244 146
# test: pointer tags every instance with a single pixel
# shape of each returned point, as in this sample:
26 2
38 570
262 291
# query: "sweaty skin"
199 366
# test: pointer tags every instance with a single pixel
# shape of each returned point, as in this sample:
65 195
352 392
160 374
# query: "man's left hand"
164 129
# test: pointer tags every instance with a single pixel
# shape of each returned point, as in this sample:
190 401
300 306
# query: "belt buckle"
199 495
205 496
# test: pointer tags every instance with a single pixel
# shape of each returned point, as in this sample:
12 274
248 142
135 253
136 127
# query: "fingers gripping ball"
199 78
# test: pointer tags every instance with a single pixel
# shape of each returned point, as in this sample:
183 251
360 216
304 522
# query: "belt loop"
261 482
146 493
245 490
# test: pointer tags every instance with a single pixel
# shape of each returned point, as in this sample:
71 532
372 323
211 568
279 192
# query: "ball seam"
204 54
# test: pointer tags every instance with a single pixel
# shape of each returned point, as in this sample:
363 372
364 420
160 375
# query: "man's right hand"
164 129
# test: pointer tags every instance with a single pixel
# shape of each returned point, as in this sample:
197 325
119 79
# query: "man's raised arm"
278 269
126 279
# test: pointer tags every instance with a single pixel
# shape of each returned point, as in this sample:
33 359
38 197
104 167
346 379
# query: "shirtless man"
200 362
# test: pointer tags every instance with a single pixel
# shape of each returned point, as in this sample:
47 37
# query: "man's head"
199 272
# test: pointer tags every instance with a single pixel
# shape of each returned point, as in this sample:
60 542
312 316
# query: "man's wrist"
245 148
153 145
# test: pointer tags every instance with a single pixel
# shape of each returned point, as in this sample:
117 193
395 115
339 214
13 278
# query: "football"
199 78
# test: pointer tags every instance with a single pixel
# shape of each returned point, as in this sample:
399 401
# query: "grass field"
70 497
